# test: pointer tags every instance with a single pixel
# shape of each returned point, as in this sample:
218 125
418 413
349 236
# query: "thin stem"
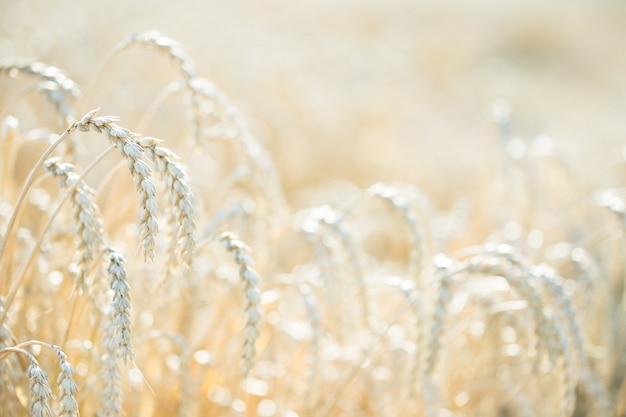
5 352
57 210
24 191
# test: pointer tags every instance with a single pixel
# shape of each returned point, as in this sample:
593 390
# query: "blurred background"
362 90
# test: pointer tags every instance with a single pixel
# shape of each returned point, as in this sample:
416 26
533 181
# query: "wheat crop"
135 289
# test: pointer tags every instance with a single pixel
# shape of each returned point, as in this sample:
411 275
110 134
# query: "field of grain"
312 209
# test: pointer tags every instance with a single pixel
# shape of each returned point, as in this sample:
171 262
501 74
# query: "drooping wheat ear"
121 306
521 280
554 286
574 336
180 196
54 85
207 99
313 314
261 169
412 295
66 386
90 229
124 140
40 391
520 275
200 90
557 328
558 342
334 221
111 400
444 278
326 254
393 197
250 281
176 53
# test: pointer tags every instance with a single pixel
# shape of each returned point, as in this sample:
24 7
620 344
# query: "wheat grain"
250 281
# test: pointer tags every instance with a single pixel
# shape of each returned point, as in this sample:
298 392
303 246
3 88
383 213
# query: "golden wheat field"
312 209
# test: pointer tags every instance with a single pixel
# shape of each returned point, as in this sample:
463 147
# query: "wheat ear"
334 221
205 95
39 384
393 197
444 279
90 229
180 196
111 399
121 306
250 281
40 391
124 140
66 386
551 327
55 86
315 320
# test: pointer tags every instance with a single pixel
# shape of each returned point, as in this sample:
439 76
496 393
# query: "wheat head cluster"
144 276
